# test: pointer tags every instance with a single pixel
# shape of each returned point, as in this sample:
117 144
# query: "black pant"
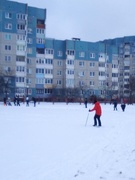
123 107
97 117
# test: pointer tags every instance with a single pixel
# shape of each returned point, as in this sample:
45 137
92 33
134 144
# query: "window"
59 73
29 40
7 58
101 73
81 73
91 83
92 64
20 79
21 16
81 54
40 41
59 63
48 91
49 51
20 48
92 74
70 62
59 82
81 83
114 66
39 71
81 63
20 58
28 81
114 74
8 36
40 31
92 55
60 53
29 71
21 26
29 50
39 80
7 47
7 69
48 71
70 72
21 37
8 26
29 31
20 68
101 64
39 91
70 52
29 61
40 61
48 81
48 61
8 15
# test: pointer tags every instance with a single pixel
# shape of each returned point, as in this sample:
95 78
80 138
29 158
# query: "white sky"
90 20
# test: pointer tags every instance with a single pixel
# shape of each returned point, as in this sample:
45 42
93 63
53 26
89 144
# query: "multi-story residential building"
22 43
35 65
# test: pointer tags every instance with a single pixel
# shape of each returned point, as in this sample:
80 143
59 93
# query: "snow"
51 142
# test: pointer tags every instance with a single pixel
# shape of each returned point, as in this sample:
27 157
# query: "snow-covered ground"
51 142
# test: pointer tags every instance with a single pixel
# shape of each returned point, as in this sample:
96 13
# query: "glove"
89 110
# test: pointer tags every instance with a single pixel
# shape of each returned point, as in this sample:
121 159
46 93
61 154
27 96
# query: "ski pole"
87 119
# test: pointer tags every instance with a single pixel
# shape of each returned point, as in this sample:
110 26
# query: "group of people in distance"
16 100
123 104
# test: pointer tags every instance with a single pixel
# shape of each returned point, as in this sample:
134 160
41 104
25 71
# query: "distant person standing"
34 101
5 101
85 102
15 100
98 113
27 101
18 100
123 105
9 101
115 104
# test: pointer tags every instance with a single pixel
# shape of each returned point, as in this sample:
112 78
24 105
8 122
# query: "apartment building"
22 43
35 65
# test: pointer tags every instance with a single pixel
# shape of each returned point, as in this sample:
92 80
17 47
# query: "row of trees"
70 94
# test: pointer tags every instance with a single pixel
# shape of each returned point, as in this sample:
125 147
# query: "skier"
98 112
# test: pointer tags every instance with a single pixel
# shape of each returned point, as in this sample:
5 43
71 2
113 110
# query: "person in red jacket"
98 113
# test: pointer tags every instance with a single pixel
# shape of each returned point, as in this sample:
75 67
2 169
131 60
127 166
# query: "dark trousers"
123 107
97 117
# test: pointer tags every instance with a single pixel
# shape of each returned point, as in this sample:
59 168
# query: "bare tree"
131 88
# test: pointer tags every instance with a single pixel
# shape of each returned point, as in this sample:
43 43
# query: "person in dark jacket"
115 104
98 113
5 101
123 105
85 102
18 100
34 100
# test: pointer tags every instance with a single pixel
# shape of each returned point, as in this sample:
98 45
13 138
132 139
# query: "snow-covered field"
51 142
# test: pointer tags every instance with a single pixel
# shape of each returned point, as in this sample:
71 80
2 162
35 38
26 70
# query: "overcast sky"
89 20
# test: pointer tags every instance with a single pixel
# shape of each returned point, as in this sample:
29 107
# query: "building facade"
39 65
